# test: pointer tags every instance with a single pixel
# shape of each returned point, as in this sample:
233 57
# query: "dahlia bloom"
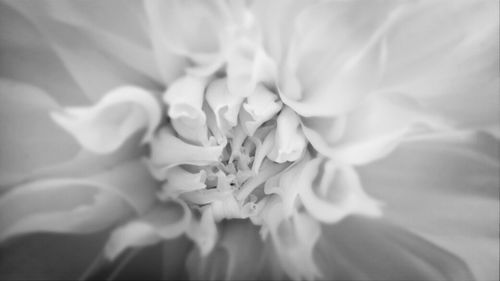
298 140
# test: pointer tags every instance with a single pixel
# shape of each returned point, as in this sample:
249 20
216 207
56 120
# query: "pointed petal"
226 105
104 127
456 182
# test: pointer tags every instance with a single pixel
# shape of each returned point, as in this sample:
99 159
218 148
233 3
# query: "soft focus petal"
27 56
338 194
372 130
457 184
336 56
224 104
167 221
97 60
240 254
169 150
29 139
59 206
445 54
104 127
365 249
289 140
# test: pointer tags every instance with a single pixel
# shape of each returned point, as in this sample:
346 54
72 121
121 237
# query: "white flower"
291 139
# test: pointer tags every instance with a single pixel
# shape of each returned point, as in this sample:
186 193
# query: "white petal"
204 231
169 150
341 195
289 141
167 221
258 108
105 126
225 105
185 100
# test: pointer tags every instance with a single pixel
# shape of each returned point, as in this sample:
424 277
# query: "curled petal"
105 126
289 141
169 150
340 194
185 99
167 221
258 108
224 104
179 181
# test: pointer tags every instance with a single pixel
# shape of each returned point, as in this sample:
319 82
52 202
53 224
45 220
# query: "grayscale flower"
298 140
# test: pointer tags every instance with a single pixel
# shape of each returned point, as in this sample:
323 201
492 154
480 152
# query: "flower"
292 139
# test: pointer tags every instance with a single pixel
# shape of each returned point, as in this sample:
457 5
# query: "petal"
366 249
203 231
90 56
372 130
168 150
175 29
226 105
289 140
29 139
428 49
28 56
258 108
59 206
167 221
185 100
104 127
293 240
240 254
340 194
328 71
456 182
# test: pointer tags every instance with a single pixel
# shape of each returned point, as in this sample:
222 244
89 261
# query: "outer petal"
445 54
336 56
166 221
105 126
27 56
29 139
366 249
76 204
372 130
457 184
93 48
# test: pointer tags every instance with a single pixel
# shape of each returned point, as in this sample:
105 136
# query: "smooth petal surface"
336 56
29 139
457 184
105 126
440 52
94 49
372 249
